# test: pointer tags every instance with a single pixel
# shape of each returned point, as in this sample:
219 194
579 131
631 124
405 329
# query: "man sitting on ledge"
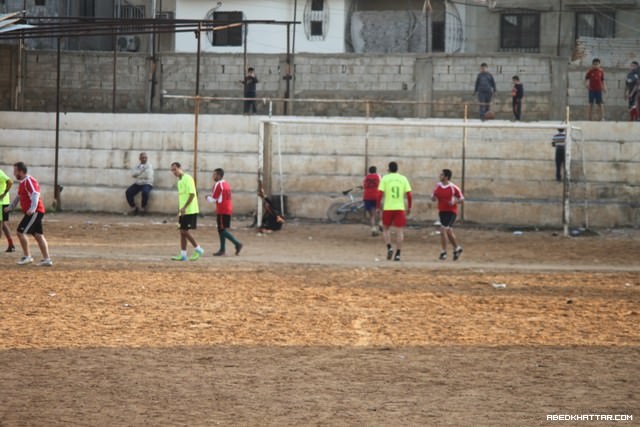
143 174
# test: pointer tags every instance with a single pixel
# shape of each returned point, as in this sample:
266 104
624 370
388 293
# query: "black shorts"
188 222
31 224
5 215
223 221
447 219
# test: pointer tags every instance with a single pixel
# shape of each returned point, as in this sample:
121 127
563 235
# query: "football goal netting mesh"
505 169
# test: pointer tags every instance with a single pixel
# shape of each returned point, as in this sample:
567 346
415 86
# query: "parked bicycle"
339 210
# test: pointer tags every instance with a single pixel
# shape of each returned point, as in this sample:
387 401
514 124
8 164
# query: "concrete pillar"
423 75
558 68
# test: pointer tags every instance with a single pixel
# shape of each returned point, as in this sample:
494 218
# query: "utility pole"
559 29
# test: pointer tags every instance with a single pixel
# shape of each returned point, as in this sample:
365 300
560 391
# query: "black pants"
250 104
517 108
135 189
559 162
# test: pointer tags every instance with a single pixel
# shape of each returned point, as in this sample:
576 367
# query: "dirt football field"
312 326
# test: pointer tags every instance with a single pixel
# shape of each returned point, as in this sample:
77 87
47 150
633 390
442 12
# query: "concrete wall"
443 81
508 174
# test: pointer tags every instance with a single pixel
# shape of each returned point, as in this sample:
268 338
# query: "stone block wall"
507 173
397 85
86 81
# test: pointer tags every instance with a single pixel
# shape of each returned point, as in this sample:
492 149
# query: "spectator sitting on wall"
143 174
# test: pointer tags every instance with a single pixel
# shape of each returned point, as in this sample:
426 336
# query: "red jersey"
27 187
445 195
370 187
596 79
221 193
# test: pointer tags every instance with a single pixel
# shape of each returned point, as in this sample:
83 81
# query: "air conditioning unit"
129 43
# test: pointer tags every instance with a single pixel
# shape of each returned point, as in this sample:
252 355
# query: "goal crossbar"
446 123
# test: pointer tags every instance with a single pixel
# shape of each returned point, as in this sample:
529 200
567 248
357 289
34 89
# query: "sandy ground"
312 326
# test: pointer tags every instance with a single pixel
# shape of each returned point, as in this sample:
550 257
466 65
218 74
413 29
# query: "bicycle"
339 210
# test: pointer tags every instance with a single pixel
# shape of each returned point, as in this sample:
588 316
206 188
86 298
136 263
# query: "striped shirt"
558 140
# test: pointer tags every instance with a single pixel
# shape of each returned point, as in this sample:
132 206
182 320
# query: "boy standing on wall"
594 81
517 93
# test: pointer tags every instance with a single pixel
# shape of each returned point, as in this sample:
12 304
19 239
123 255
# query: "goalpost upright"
265 149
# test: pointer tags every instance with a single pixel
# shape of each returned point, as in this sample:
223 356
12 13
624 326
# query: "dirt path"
313 326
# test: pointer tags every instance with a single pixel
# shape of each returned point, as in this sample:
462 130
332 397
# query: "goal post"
318 156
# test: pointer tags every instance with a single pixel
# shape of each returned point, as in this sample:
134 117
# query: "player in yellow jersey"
188 211
393 189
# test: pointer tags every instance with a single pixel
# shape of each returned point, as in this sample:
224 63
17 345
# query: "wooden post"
195 139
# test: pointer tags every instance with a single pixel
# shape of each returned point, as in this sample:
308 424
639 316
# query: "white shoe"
25 260
45 263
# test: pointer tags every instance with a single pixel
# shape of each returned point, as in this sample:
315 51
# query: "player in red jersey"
370 196
449 197
33 208
594 81
221 196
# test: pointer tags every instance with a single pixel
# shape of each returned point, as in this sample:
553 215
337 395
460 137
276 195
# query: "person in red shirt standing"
594 81
370 196
221 196
449 197
33 208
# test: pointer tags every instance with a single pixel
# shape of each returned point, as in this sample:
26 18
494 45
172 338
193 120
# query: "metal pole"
57 204
464 158
366 148
293 52
198 36
559 28
260 173
566 206
152 52
114 78
195 139
244 42
287 76
244 70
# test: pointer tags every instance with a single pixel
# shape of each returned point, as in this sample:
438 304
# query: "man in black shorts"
33 208
449 197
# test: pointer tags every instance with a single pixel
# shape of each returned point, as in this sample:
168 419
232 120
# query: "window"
39 2
316 19
229 36
437 36
590 24
131 13
520 32
316 28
